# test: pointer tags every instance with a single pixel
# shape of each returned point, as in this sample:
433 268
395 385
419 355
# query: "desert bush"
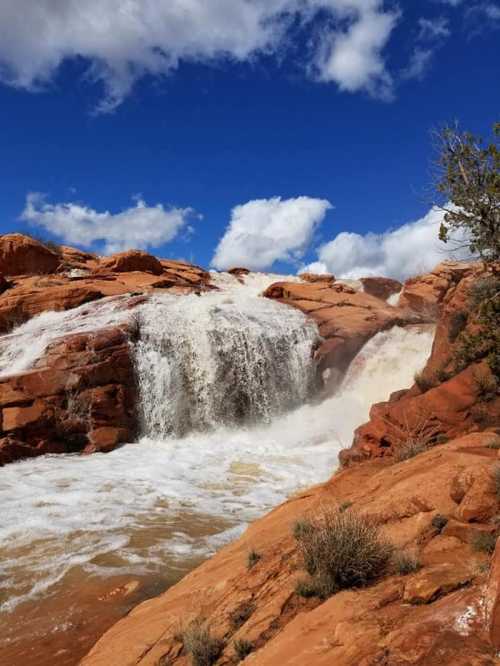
239 616
243 648
439 522
483 289
486 385
413 436
484 542
253 558
339 551
200 644
405 563
301 528
424 381
458 321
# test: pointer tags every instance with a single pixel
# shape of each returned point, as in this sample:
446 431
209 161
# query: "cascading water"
220 360
227 434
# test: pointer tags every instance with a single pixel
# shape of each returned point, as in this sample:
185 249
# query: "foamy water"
149 506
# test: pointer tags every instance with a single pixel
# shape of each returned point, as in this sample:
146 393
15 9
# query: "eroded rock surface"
444 613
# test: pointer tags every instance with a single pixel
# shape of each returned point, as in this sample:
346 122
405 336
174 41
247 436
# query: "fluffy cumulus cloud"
122 40
399 253
140 226
264 231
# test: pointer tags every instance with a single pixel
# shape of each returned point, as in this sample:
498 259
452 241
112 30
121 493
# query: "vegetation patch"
341 550
200 644
241 614
439 522
496 481
424 381
405 563
243 648
458 321
253 558
484 542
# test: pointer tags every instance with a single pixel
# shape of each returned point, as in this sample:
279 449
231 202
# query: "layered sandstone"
445 613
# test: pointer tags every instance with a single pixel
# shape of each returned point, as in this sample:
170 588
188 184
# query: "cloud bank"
400 253
123 40
264 231
140 226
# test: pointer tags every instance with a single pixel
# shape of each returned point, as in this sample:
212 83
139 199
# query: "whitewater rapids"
196 478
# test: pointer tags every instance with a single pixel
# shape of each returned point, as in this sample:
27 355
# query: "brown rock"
327 278
22 255
480 502
381 287
14 418
239 271
106 439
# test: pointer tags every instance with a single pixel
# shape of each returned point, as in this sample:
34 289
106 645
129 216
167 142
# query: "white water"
156 503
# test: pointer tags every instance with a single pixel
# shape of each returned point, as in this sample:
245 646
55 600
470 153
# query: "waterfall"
220 359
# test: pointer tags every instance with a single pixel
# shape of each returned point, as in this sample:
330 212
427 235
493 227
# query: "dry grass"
242 648
340 550
200 644
405 563
239 616
413 436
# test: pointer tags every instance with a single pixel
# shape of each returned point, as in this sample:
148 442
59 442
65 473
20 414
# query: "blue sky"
277 125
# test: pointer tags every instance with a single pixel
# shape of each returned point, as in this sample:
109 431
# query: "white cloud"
419 63
399 253
122 40
430 29
353 58
140 226
264 231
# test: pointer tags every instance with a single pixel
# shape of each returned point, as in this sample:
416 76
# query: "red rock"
327 278
381 287
106 439
432 582
14 418
132 260
22 255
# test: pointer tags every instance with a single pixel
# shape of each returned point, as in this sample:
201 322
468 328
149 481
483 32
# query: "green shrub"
341 550
243 648
201 645
253 558
484 542
405 563
439 522
483 289
458 321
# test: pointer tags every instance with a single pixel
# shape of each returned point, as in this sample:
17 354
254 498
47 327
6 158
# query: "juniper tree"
468 182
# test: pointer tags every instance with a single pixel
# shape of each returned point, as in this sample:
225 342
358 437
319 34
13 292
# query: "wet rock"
381 287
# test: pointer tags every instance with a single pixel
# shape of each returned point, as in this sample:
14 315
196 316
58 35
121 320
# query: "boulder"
381 287
22 255
132 260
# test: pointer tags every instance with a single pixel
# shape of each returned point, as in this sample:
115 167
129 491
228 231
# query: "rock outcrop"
346 318
448 397
444 612
80 396
381 287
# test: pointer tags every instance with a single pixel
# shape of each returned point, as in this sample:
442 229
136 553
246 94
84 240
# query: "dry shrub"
405 563
242 648
496 481
413 436
199 642
241 614
253 558
341 550
484 542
